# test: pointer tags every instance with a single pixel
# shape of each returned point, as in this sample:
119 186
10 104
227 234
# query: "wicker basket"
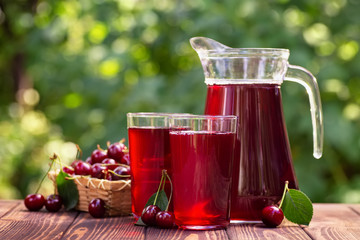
116 194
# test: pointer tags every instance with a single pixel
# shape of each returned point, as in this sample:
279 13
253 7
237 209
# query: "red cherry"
82 168
97 208
34 202
165 219
89 161
272 216
108 175
148 215
68 170
116 151
126 159
53 203
121 170
98 155
110 163
73 164
98 171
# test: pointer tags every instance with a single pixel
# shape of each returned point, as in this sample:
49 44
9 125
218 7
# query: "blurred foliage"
71 70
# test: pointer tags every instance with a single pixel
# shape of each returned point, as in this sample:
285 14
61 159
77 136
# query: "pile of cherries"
111 164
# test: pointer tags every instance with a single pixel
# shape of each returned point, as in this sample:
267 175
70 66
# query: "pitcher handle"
304 77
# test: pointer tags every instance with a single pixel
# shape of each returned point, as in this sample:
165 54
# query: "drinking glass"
202 151
149 151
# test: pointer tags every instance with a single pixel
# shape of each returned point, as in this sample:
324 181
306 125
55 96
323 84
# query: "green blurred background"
70 71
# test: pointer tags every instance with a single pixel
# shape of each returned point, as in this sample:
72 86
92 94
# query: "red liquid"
262 161
201 176
149 154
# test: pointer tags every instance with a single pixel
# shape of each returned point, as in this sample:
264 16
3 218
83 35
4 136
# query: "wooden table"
330 221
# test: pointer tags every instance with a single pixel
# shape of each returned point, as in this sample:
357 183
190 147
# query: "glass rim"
248 52
201 117
154 114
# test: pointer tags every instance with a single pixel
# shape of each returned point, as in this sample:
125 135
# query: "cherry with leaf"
294 205
156 211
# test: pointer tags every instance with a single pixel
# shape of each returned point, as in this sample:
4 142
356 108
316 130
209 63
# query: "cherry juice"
201 176
262 161
150 153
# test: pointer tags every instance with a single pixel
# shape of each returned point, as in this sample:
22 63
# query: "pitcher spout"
200 44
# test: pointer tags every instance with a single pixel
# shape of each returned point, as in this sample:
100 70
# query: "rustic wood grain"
286 230
87 227
355 208
334 221
7 206
23 224
178 234
330 221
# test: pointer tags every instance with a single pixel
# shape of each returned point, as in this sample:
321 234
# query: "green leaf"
297 207
67 190
161 202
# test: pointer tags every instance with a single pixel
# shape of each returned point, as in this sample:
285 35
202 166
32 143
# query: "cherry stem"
98 147
171 191
164 182
118 174
157 193
52 158
79 152
286 188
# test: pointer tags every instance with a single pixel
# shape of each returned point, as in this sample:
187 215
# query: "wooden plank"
334 221
355 208
286 230
87 227
7 205
23 224
178 234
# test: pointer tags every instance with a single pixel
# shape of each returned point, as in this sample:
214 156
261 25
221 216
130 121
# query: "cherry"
165 219
73 164
110 163
98 155
34 202
53 203
82 168
109 175
148 215
68 170
97 208
116 151
89 161
121 170
126 159
272 216
97 171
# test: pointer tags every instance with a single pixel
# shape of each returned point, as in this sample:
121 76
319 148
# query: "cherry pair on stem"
34 202
152 214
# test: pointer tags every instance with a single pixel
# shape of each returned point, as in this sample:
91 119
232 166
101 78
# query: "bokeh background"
70 70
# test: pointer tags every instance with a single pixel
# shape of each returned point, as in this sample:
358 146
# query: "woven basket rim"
94 183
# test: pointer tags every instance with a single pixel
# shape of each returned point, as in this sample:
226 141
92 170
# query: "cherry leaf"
297 207
67 190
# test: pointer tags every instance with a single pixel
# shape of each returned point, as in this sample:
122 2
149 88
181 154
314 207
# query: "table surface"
330 221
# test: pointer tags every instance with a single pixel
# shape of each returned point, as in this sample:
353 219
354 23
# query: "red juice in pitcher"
201 176
150 153
262 161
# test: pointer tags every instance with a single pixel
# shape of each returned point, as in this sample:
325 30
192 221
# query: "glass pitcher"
246 82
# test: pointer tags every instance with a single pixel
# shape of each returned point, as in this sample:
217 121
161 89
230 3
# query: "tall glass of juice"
149 153
202 151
